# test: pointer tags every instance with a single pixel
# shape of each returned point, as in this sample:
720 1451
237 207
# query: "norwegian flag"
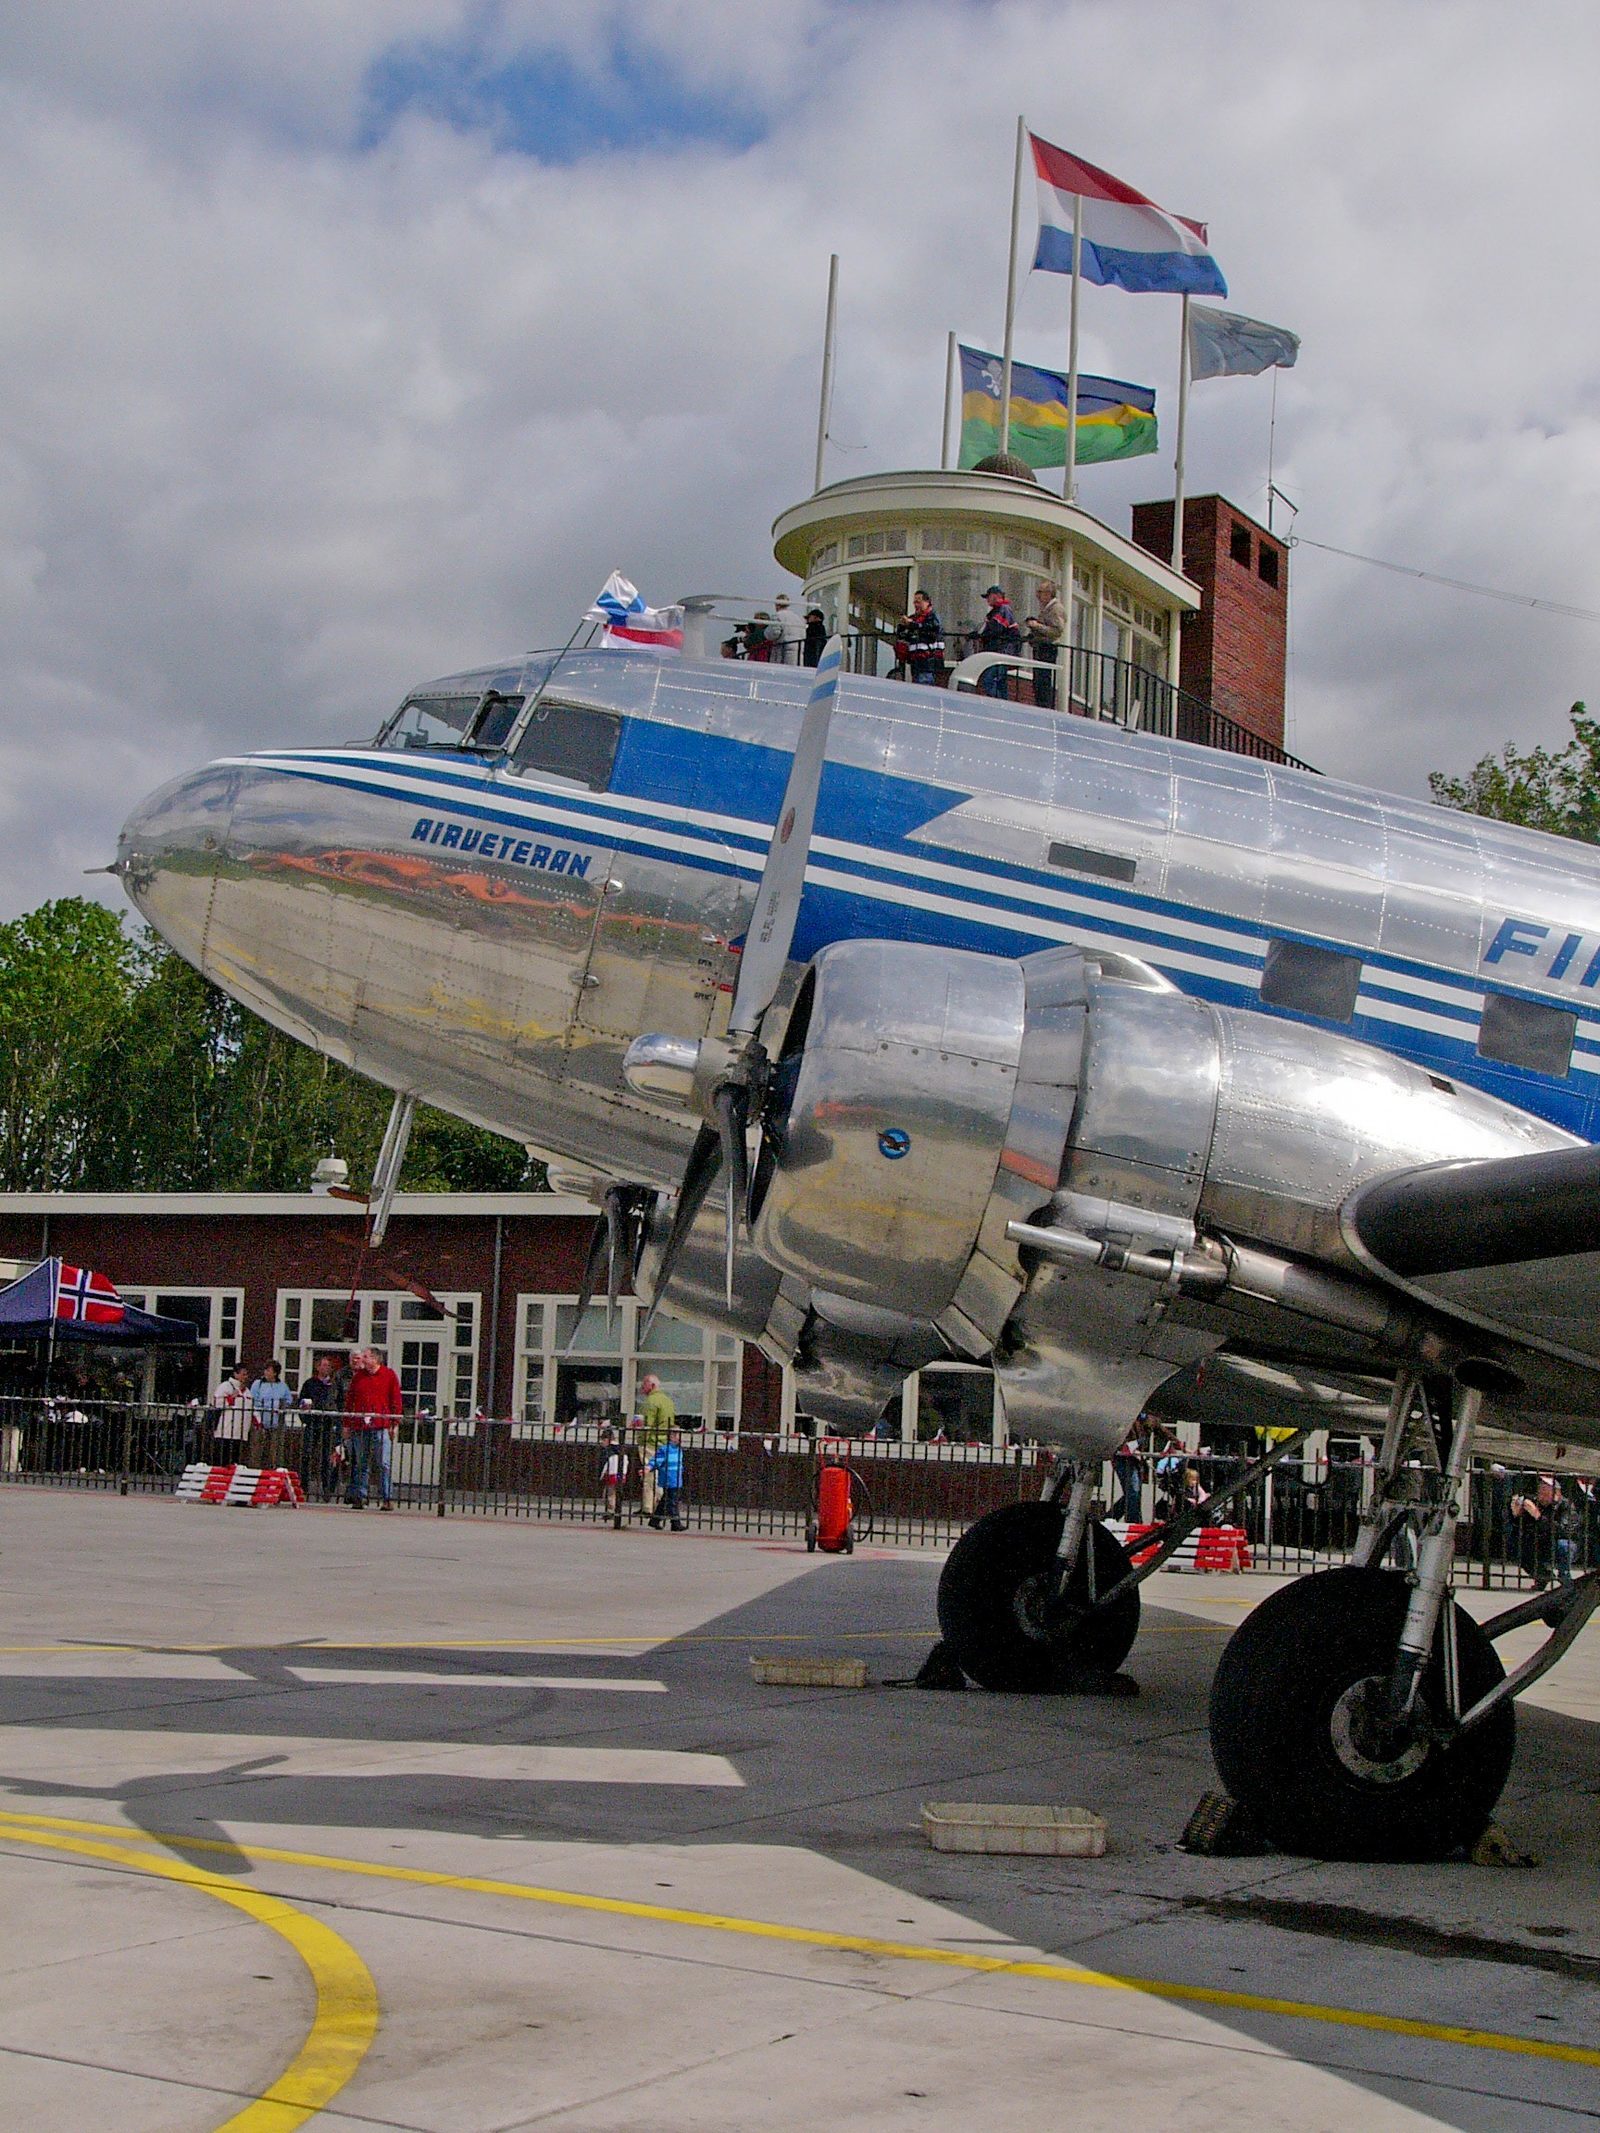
83 1294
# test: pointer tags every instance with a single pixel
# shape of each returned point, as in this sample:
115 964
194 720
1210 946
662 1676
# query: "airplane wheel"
995 1595
1294 1744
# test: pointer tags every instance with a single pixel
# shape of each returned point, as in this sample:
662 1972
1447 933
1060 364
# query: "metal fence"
923 1494
1302 1516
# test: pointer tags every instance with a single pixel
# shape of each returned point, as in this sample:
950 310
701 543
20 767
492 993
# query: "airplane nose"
169 850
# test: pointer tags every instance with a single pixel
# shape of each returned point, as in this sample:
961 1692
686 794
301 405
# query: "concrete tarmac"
373 1821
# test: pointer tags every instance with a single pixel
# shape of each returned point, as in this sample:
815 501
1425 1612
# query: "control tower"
862 547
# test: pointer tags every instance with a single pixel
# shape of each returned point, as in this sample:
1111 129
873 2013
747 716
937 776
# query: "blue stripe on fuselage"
712 774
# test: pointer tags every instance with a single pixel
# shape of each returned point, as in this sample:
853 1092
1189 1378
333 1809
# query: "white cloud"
290 425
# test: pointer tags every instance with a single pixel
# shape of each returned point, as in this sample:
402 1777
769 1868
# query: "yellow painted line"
346 2018
1489 2040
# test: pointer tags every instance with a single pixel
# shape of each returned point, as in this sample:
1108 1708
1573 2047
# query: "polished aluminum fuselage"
492 940
507 992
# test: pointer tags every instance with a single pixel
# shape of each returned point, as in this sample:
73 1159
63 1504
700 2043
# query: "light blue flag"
1222 344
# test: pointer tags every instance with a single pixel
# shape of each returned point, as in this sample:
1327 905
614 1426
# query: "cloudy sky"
345 342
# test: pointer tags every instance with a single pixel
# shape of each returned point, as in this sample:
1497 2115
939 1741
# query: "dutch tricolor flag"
1128 242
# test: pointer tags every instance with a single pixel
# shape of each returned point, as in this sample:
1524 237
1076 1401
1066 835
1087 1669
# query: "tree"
1542 788
66 981
123 1070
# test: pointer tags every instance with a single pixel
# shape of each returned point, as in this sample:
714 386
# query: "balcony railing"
1088 685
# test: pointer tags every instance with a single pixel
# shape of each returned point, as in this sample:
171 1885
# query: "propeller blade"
700 1174
416 1287
599 1237
783 878
732 1104
616 1222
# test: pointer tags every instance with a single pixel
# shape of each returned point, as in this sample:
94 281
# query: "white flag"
1224 344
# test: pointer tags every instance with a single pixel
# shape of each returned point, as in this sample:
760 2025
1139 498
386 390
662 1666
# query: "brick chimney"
1234 651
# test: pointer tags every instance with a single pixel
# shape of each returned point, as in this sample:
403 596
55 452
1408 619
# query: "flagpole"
1011 290
949 396
1272 438
1183 424
1069 485
825 403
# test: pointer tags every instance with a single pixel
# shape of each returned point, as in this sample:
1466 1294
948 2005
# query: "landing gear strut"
1038 1597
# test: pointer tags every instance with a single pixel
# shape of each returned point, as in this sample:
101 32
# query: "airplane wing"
1511 1244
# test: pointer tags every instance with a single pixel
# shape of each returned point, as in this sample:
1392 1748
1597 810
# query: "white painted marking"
377 1677
102 1757
117 1666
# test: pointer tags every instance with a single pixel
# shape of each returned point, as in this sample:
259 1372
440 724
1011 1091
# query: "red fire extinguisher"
840 1494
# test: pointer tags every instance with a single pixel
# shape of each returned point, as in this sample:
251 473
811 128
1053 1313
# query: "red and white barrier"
1207 1548
200 1483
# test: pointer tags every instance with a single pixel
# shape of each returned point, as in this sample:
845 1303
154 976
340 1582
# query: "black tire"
811 1536
990 1602
1276 1704
849 1540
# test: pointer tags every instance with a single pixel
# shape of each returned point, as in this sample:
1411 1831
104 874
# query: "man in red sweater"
372 1409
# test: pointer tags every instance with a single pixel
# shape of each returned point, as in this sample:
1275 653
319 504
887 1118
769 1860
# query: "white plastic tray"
1043 1832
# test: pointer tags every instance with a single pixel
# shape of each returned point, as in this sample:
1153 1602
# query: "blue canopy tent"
31 1309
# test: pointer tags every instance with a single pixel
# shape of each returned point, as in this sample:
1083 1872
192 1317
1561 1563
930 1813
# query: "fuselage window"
1526 1033
570 741
1083 859
1311 981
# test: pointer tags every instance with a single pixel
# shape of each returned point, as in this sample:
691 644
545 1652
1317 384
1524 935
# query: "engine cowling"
900 1073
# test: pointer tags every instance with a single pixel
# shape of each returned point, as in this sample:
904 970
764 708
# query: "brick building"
276 1275
1233 652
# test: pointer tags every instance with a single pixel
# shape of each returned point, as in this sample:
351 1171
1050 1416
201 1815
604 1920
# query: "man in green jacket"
658 1414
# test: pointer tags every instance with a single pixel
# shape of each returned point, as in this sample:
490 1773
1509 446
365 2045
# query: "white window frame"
535 1363
223 1349
381 1323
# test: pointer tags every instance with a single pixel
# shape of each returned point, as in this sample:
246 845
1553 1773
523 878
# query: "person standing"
816 637
999 636
320 1402
613 1472
1046 630
667 1462
269 1397
791 629
373 1407
1127 1466
922 634
230 1415
657 1414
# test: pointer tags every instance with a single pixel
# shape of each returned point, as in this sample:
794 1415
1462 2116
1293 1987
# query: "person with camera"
919 646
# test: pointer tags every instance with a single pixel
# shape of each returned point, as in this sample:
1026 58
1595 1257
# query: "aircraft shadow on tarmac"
844 1774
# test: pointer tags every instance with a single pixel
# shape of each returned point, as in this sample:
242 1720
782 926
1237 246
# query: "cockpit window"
569 741
430 722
